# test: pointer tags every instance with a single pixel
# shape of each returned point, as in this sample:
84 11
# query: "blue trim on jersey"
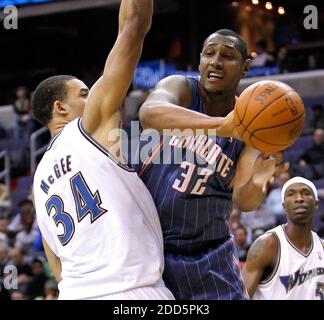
101 148
53 139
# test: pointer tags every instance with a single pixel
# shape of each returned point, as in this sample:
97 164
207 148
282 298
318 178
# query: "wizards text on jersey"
298 278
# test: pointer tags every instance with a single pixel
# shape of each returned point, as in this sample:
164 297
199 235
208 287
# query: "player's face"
221 64
300 203
76 97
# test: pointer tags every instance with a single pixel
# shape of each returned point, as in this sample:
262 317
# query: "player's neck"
56 127
300 236
218 105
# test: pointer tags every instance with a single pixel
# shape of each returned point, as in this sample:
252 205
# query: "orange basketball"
269 115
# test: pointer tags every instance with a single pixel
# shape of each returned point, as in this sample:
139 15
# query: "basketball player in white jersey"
100 228
287 262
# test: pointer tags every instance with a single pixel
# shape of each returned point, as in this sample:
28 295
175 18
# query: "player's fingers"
282 168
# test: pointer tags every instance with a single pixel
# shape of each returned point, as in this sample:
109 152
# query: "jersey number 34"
85 203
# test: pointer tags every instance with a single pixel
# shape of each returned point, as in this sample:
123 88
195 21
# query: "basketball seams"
246 106
267 142
266 107
278 125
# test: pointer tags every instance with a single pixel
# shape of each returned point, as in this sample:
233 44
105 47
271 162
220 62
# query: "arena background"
74 37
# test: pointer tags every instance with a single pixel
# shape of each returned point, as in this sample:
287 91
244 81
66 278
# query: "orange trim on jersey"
150 158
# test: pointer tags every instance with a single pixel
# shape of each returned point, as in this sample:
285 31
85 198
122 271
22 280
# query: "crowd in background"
20 238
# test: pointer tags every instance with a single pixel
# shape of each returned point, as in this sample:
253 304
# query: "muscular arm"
166 108
262 254
54 262
108 92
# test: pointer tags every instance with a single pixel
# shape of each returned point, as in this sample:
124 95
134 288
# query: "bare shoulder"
176 89
174 80
265 248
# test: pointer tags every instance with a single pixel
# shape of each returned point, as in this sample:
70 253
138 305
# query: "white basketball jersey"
297 276
97 216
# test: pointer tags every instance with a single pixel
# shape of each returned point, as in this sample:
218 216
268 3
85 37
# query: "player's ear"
284 207
60 107
246 66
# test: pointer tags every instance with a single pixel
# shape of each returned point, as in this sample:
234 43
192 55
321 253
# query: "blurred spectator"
311 164
263 58
175 54
25 239
26 208
17 295
261 218
5 202
4 231
257 233
36 284
316 121
312 62
50 291
24 271
273 201
242 243
3 257
282 60
22 107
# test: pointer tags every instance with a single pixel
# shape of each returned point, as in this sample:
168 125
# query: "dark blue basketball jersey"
192 187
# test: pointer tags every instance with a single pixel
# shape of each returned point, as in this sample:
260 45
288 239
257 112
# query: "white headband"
298 180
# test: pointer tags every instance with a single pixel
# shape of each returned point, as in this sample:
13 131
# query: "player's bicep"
53 260
260 255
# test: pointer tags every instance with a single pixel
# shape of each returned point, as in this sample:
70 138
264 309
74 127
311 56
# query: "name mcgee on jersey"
61 168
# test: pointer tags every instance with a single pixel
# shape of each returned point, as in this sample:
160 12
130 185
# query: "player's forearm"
170 116
249 196
136 14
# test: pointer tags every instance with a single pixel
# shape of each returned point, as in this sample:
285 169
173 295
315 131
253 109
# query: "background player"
101 230
288 261
194 199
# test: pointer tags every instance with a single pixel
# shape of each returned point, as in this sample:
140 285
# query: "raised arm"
262 254
166 108
108 92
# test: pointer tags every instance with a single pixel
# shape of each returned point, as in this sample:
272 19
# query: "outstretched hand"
266 168
229 128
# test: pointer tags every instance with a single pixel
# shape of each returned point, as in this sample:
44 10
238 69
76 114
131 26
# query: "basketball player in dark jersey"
194 197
